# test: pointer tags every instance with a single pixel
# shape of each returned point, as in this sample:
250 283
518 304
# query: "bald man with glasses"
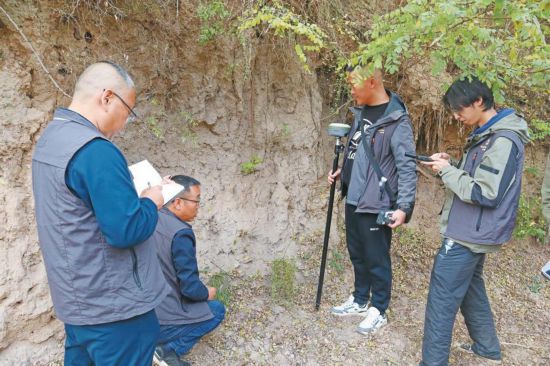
104 281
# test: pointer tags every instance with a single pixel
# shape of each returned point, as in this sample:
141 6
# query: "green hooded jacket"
461 184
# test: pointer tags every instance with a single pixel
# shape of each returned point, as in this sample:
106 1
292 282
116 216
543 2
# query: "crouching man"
189 311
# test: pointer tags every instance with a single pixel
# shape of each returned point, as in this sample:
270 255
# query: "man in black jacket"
386 184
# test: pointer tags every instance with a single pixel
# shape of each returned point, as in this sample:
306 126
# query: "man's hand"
211 293
440 155
154 193
440 160
398 218
333 177
167 180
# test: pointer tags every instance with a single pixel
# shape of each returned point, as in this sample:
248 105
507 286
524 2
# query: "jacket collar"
394 111
65 114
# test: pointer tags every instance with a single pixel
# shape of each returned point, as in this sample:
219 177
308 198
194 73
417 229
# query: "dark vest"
484 225
90 281
174 309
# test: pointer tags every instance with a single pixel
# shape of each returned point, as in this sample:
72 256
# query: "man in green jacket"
478 218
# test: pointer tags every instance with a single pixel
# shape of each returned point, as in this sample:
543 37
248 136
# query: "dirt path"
258 331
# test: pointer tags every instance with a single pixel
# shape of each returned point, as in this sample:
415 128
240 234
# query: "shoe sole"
349 314
490 360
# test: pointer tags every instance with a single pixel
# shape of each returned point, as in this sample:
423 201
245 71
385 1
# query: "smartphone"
419 157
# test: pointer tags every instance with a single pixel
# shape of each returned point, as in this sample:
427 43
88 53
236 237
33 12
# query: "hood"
509 121
395 109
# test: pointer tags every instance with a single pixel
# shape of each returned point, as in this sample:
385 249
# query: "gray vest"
90 281
484 225
174 309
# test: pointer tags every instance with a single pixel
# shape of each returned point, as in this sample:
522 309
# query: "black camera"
385 218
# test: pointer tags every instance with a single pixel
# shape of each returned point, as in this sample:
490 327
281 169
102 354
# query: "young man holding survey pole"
379 184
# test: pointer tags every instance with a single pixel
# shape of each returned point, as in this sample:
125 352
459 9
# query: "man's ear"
106 98
371 82
479 102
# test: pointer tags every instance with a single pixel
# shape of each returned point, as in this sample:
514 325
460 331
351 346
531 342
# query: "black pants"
369 251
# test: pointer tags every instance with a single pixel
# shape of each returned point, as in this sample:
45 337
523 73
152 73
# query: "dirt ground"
259 331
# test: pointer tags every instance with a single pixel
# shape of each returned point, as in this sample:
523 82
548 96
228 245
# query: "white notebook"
145 175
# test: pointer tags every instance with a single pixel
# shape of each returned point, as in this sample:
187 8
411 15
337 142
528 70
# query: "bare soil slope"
207 110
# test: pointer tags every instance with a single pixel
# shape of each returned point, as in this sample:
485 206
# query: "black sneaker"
168 358
465 347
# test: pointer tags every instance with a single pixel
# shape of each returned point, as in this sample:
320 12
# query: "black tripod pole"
337 149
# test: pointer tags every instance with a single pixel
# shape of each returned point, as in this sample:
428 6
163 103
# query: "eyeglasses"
197 202
132 117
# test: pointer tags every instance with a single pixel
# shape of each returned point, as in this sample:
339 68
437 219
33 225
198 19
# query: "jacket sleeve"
402 141
185 263
545 191
98 174
491 179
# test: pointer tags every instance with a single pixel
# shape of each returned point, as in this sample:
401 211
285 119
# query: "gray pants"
457 282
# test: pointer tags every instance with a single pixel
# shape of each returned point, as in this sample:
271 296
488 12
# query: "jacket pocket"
135 269
479 218
488 169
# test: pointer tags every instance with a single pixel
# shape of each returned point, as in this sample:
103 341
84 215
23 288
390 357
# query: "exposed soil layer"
206 110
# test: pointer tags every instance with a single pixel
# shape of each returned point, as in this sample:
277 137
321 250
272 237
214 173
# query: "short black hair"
464 92
186 181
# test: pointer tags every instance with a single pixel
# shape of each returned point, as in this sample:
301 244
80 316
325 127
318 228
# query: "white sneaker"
372 322
546 270
466 347
350 307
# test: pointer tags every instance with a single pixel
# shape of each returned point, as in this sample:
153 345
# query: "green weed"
336 261
285 130
220 281
189 122
251 166
282 280
212 14
536 285
532 170
529 220
152 124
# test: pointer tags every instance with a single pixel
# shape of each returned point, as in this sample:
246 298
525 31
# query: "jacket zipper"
381 196
137 280
472 169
